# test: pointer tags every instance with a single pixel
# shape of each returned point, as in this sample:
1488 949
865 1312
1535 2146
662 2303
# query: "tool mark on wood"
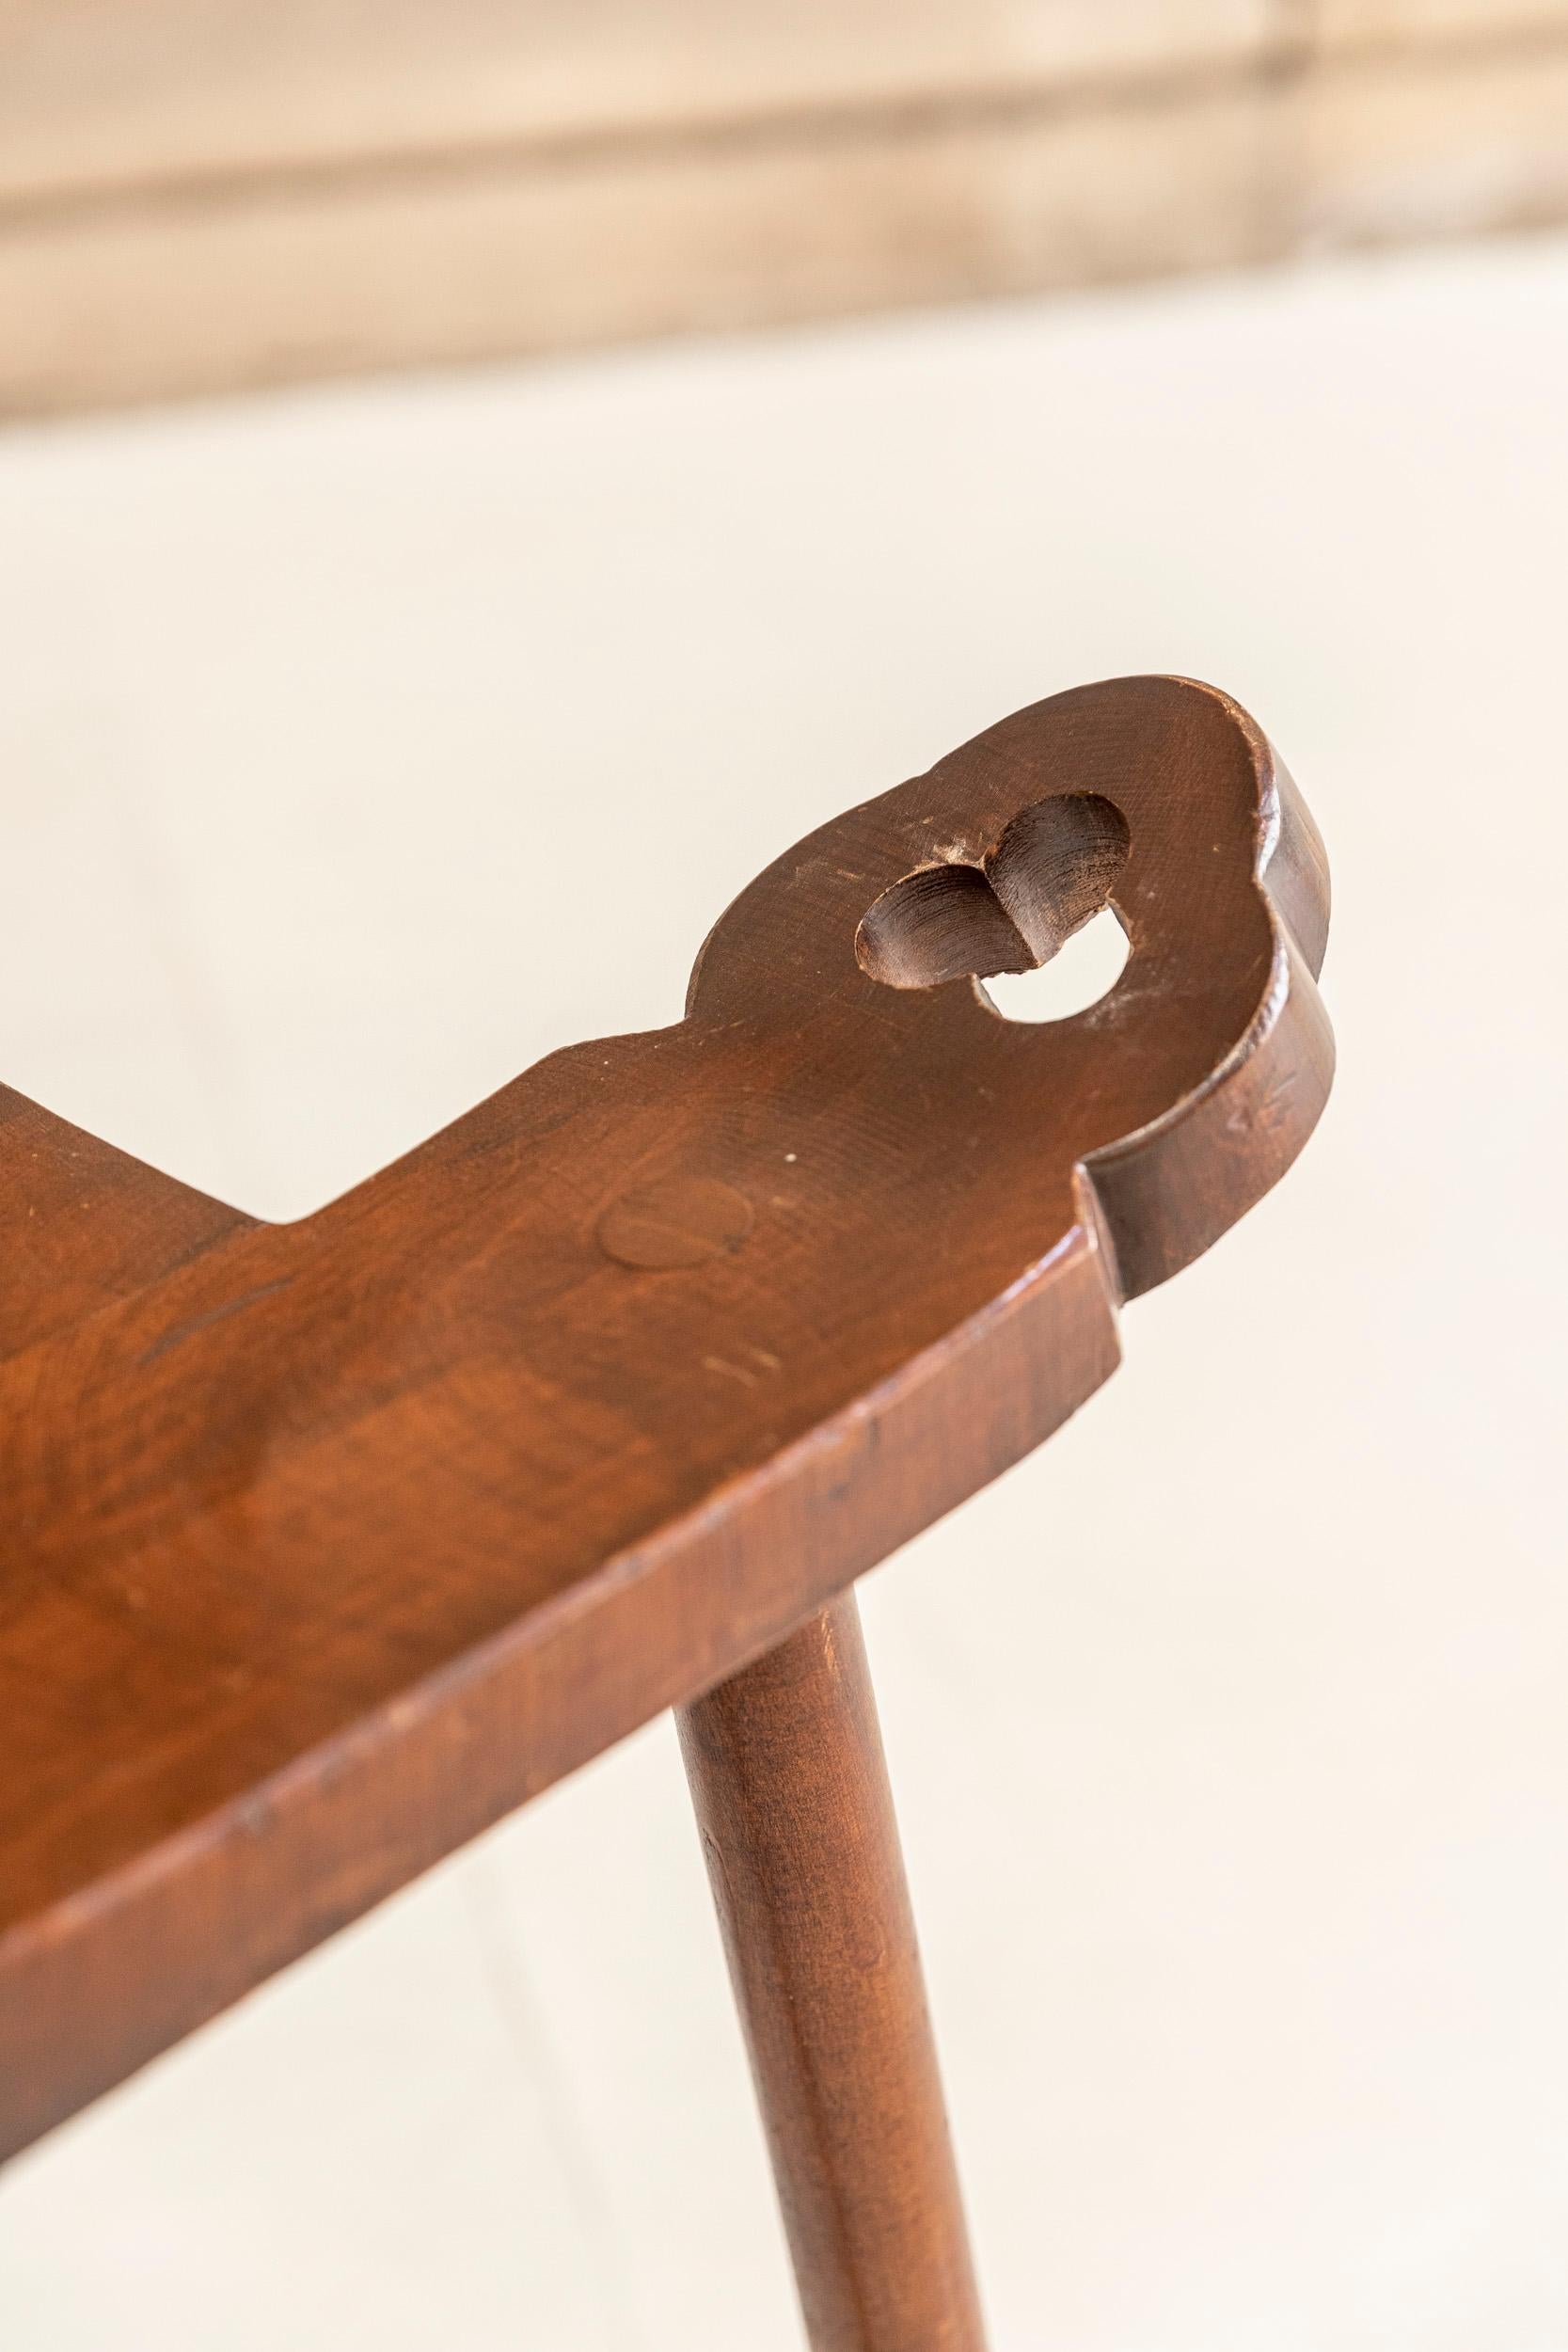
188 1330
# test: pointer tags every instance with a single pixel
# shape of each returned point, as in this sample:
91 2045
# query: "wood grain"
796 1816
325 1545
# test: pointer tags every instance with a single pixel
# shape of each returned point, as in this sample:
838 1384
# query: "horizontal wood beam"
197 198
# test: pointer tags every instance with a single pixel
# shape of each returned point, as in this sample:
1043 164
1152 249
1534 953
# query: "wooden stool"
325 1545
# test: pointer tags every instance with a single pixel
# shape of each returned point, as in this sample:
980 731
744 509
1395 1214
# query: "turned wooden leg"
791 1790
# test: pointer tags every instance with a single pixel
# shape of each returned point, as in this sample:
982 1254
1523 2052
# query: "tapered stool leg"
792 1798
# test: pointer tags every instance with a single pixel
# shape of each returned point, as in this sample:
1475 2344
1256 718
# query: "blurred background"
196 195
362 740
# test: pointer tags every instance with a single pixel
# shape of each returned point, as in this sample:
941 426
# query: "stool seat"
323 1545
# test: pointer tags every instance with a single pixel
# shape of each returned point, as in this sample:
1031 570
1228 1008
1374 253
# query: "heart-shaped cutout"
1054 868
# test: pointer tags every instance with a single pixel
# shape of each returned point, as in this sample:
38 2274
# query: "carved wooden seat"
323 1545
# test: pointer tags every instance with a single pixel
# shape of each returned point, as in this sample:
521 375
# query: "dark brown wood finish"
322 1546
796 1816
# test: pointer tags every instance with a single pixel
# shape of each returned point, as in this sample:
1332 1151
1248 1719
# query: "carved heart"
1054 868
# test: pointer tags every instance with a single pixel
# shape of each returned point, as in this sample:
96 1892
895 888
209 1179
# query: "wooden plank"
96 94
334 1540
199 196
320 276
